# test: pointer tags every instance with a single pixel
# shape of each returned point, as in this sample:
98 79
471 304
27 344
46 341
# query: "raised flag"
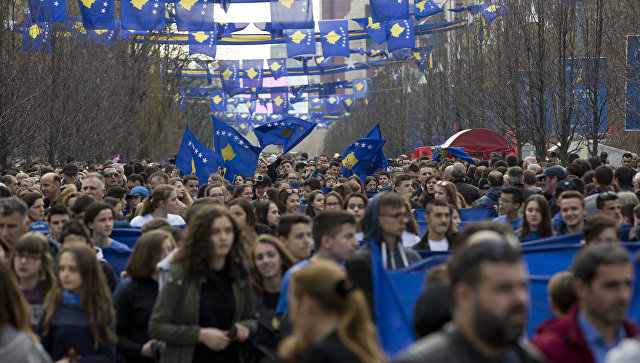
334 36
292 14
400 34
143 14
50 11
237 155
289 132
194 15
376 30
252 73
380 161
229 72
384 10
278 67
98 14
359 157
300 41
196 159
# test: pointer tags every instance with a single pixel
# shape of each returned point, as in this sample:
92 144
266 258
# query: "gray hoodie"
17 347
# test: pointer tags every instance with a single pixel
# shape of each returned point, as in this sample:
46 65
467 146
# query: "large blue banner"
633 84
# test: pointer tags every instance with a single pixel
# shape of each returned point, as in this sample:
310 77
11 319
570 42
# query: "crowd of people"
276 266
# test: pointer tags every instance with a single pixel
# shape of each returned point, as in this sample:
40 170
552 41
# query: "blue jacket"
490 199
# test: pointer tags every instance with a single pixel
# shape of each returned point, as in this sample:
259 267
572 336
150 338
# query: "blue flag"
229 73
288 132
292 14
195 15
226 29
347 102
361 154
231 117
98 14
375 30
303 116
333 103
456 152
360 88
323 62
196 159
316 102
275 117
260 118
252 73
218 101
300 41
35 36
489 13
237 155
384 10
334 35
143 14
425 8
50 11
244 125
424 57
380 160
266 27
204 43
400 34
280 102
278 67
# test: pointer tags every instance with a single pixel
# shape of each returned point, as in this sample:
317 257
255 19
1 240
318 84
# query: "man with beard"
603 280
490 299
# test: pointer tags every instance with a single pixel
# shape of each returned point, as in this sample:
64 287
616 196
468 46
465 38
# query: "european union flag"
50 11
218 101
98 14
375 30
195 15
380 160
424 57
360 88
288 132
333 103
244 125
143 14
280 102
35 36
229 73
204 43
238 156
278 67
252 73
425 8
361 154
384 10
196 159
292 14
400 34
347 102
334 35
316 102
300 41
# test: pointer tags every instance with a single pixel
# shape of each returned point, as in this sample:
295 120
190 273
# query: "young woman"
79 319
239 179
35 203
371 184
429 189
331 319
267 214
333 200
448 192
355 203
244 191
206 304
135 300
162 203
32 263
288 201
454 227
184 199
315 204
536 223
98 217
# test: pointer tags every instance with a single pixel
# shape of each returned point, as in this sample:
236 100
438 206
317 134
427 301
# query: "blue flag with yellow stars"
50 11
323 62
218 101
333 103
424 57
291 14
196 159
237 155
288 132
194 15
244 123
360 155
143 14
300 41
316 101
227 29
334 35
252 73
400 34
384 10
278 67
260 118
229 72
36 36
376 30
280 102
489 13
380 159
360 88
425 8
347 102
98 14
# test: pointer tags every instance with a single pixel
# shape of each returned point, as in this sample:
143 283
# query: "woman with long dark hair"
162 203
288 201
536 223
315 205
267 213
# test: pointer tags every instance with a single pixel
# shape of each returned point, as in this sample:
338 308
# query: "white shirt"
442 245
173 219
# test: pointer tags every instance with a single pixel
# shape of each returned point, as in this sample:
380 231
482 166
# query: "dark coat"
468 191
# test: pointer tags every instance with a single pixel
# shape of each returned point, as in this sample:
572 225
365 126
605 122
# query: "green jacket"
176 314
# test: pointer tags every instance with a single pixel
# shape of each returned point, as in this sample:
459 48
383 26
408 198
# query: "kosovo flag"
50 11
376 53
288 132
196 159
384 10
347 102
98 14
275 117
489 13
237 155
229 72
361 154
250 105
280 102
425 8
303 116
316 102
400 34
260 118
375 30
278 67
456 152
36 36
105 37
231 117
300 41
218 101
266 27
252 73
333 103
244 125
424 57
292 14
334 36
323 62
360 88
143 14
226 29
195 15
381 159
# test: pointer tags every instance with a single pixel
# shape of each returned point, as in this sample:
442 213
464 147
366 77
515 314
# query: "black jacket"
468 191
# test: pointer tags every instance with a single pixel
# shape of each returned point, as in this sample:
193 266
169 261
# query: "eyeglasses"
610 195
502 200
30 258
216 195
399 215
333 205
111 175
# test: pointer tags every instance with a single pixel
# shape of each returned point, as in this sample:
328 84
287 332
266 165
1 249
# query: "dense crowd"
276 266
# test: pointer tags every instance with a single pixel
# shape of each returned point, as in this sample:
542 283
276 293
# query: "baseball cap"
70 169
139 191
554 170
263 181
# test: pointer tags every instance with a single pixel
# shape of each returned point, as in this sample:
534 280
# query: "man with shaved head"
50 187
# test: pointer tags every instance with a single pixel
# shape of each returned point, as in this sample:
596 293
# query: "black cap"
554 170
70 169
263 181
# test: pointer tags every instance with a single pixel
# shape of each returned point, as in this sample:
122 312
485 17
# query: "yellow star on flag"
227 74
200 36
227 153
138 4
187 4
332 37
297 37
396 30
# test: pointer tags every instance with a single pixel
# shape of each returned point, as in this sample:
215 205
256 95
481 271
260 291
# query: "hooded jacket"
17 347
490 199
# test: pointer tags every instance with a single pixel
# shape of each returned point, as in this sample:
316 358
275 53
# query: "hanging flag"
361 154
278 67
266 27
237 155
376 53
316 102
334 35
229 72
250 105
303 116
218 101
280 102
300 41
98 14
50 11
244 125
231 117
288 132
400 34
384 10
292 14
252 73
489 13
104 37
36 37
425 8
196 159
260 118
227 29
323 62
275 117
194 15
347 101
333 103
423 57
143 14
375 30
360 88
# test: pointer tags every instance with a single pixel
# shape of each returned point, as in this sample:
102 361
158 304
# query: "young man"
510 202
438 217
601 229
608 204
572 211
294 231
550 179
384 178
404 186
58 215
334 239
191 185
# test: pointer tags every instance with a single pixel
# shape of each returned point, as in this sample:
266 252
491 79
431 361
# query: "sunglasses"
111 175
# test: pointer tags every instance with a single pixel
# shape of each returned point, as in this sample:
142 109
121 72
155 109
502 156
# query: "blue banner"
143 15
633 84
50 11
98 14
204 43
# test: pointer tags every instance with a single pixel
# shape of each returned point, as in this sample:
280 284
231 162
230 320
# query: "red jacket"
561 340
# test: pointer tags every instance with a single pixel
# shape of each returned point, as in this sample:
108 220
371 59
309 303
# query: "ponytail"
160 193
356 330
